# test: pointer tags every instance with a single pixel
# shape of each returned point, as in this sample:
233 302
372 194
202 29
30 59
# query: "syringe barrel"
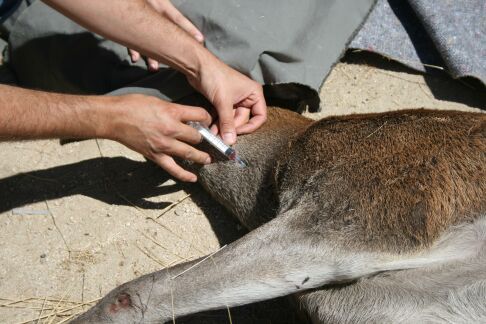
212 139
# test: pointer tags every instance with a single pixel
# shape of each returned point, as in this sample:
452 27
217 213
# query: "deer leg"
269 262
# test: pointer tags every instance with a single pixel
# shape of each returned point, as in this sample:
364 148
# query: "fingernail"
192 179
199 37
229 138
154 66
208 160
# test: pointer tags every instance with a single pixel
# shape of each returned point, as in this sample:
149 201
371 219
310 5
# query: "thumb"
226 122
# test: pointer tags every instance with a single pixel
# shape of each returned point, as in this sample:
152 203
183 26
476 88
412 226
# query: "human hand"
167 9
158 130
235 97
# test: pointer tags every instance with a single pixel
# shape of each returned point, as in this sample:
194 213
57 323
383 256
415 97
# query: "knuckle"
206 114
202 114
264 117
161 160
162 146
169 131
174 112
193 137
195 156
188 155
226 124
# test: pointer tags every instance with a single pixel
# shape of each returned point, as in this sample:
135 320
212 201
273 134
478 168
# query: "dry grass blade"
140 210
171 297
13 302
399 77
62 311
171 206
405 61
376 130
70 317
39 178
42 310
176 235
35 299
198 263
164 248
57 305
150 256
229 314
57 228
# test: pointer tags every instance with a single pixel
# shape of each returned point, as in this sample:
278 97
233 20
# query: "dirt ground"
78 219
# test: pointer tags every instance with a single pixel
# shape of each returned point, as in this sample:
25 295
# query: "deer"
360 218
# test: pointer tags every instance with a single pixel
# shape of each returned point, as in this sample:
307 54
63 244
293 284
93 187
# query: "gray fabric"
50 52
278 42
446 33
290 46
284 42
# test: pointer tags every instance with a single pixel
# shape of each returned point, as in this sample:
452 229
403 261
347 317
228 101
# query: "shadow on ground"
106 179
122 181
468 91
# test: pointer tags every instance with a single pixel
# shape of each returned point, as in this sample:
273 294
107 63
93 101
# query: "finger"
242 116
259 112
186 152
168 164
214 129
226 122
177 18
187 113
189 135
134 55
152 64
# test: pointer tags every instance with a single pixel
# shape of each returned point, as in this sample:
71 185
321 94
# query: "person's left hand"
167 9
234 96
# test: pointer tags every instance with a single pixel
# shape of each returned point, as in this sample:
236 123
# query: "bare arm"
135 24
145 124
28 114
166 9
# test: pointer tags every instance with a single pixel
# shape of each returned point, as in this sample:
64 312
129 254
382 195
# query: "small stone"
43 255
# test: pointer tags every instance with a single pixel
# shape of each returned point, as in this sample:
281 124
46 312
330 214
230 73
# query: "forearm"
137 25
29 114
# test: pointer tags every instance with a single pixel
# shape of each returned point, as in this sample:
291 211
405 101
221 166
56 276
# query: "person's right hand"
158 130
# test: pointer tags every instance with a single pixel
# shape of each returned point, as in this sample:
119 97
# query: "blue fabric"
423 33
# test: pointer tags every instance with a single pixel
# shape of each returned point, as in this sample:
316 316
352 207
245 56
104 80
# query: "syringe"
217 143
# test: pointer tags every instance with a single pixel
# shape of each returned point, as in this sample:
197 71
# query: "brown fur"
406 176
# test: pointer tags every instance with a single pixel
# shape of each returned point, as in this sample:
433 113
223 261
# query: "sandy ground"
78 219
